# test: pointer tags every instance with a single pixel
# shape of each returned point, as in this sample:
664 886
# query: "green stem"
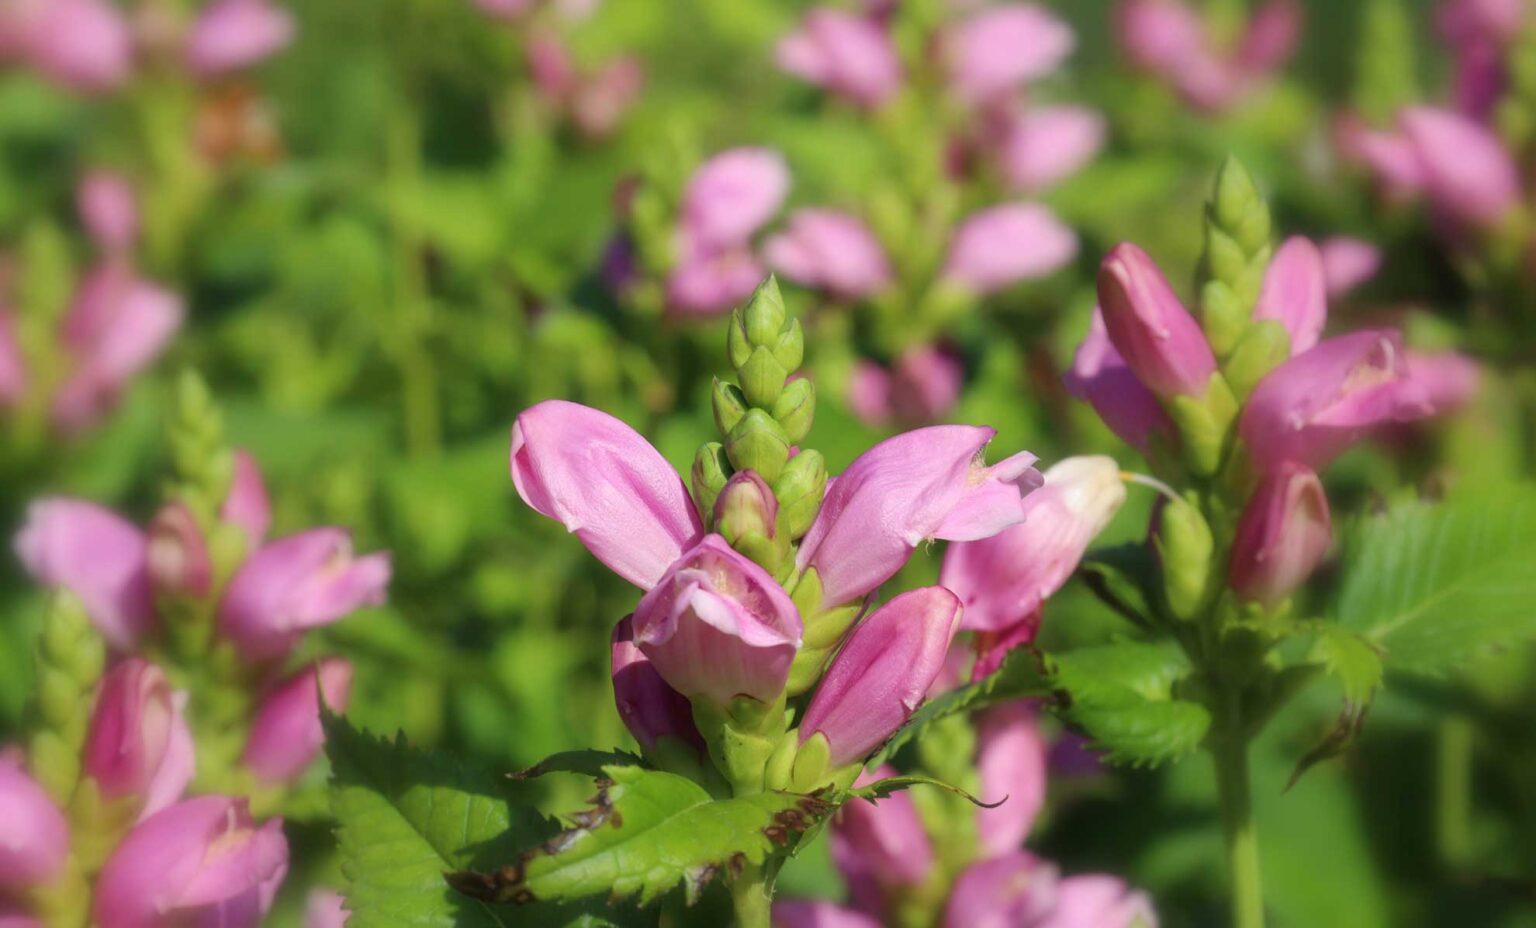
1453 790
1231 756
423 429
752 898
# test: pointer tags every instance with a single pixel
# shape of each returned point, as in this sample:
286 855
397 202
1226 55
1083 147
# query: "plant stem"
752 898
418 374
1230 753
1453 790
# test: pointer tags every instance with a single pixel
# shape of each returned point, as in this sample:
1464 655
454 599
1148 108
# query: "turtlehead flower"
138 745
1466 169
286 735
230 35
201 861
999 49
248 504
177 554
831 251
1040 146
1158 338
1012 889
36 842
848 54
96 555
1284 533
733 194
83 45
1295 292
880 846
803 913
1011 759
1169 40
922 386
109 210
649 708
1348 263
1100 376
1003 245
325 908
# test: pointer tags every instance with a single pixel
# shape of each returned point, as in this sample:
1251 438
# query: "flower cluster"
1213 65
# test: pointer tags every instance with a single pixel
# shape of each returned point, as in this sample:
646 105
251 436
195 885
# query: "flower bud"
831 251
996 50
848 54
728 404
296 583
1159 339
1187 549
286 735
880 846
248 504
800 490
202 861
139 745
882 674
717 627
36 842
1100 376
95 554
796 408
1283 535
758 443
110 210
1000 246
711 470
762 378
177 553
232 34
746 507
650 709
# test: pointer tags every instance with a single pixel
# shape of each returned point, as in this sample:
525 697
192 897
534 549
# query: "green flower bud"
711 470
789 349
1264 348
758 443
781 763
762 378
796 408
763 316
1187 550
747 516
728 403
811 762
1205 425
1237 252
800 489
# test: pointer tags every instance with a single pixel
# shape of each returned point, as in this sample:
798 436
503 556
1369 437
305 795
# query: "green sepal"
1205 425
823 633
800 490
796 408
789 347
758 443
711 470
812 760
762 378
806 593
1265 346
728 404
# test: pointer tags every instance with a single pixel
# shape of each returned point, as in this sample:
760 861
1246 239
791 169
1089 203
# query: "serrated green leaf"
647 832
1435 585
1121 695
406 816
1019 677
1356 664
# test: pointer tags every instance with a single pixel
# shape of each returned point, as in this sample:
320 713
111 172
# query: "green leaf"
587 762
880 789
406 816
1436 585
1124 577
1356 664
1020 676
647 832
1121 695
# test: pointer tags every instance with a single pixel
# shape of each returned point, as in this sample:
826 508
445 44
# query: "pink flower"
1005 579
1478 21
1160 341
1445 380
1271 37
14 917
248 504
832 251
882 673
604 482
1348 263
923 484
805 913
650 709
96 555
286 735
1098 900
1168 38
997 50
847 54
1005 891
13 365
84 45
116 326
1283 535
325 908
923 387
1296 293
1467 170
1003 245
600 100
1390 156
229 35
1011 758
717 627
177 553
880 846
732 195
35 841
1100 376
109 208
509 10
1314 406
138 744
869 394
296 583
708 283
1044 145
202 861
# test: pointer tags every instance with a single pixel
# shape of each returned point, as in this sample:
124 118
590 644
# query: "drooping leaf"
880 789
588 763
1121 695
1436 585
647 832
405 817
1356 664
1124 578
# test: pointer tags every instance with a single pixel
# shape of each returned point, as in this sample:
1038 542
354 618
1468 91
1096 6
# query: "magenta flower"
1001 48
1158 338
109 209
1348 263
248 504
924 484
177 554
1445 380
229 35
296 583
806 913
202 861
848 54
708 283
717 627
1100 376
1283 535
1002 245
138 745
1011 889
85 45
882 674
13 366
831 251
880 846
1005 579
923 386
286 735
325 908
601 480
1043 145
1169 40
1314 406
1467 170
116 326
1390 156
96 555
1098 900
732 195
36 837
1011 758
649 707
1295 292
